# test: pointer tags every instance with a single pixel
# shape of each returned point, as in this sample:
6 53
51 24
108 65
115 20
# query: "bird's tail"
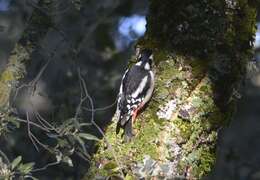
122 119
125 122
128 131
118 127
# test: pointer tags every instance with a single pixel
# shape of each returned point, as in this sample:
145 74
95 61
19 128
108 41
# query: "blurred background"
71 40
67 40
238 154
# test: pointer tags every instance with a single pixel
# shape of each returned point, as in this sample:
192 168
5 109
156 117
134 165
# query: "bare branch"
95 124
102 108
31 123
29 132
46 166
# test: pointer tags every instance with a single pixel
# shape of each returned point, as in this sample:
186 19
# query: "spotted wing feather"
132 94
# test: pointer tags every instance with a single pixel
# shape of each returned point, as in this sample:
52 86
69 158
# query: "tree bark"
13 68
201 50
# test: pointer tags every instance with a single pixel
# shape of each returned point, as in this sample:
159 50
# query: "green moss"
149 129
200 161
198 134
7 76
13 72
185 128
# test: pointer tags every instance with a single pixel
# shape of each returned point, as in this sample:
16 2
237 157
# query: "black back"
131 82
133 78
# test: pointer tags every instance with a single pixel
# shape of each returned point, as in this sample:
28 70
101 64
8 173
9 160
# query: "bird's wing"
134 87
134 78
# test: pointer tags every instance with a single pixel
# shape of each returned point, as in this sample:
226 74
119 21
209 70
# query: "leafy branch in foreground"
70 135
15 169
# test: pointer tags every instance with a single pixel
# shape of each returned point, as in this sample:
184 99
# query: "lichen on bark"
13 72
9 78
201 50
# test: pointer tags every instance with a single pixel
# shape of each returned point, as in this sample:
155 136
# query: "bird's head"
145 58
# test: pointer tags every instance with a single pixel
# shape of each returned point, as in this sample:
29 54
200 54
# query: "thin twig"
32 84
42 120
94 123
103 108
82 156
5 157
29 131
46 166
31 123
40 143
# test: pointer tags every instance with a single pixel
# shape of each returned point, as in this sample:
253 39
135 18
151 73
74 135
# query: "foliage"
15 169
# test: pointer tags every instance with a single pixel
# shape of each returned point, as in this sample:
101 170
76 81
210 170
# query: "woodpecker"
136 89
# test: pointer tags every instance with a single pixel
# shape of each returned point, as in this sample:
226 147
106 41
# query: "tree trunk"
201 50
12 69
13 24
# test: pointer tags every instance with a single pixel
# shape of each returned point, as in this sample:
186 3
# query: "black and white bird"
136 89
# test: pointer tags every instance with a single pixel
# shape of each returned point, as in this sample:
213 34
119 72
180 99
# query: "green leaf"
51 135
62 142
81 142
67 160
59 157
14 122
15 162
88 136
82 145
26 168
85 124
31 177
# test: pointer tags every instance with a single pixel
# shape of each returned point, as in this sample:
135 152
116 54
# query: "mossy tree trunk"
19 54
201 50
